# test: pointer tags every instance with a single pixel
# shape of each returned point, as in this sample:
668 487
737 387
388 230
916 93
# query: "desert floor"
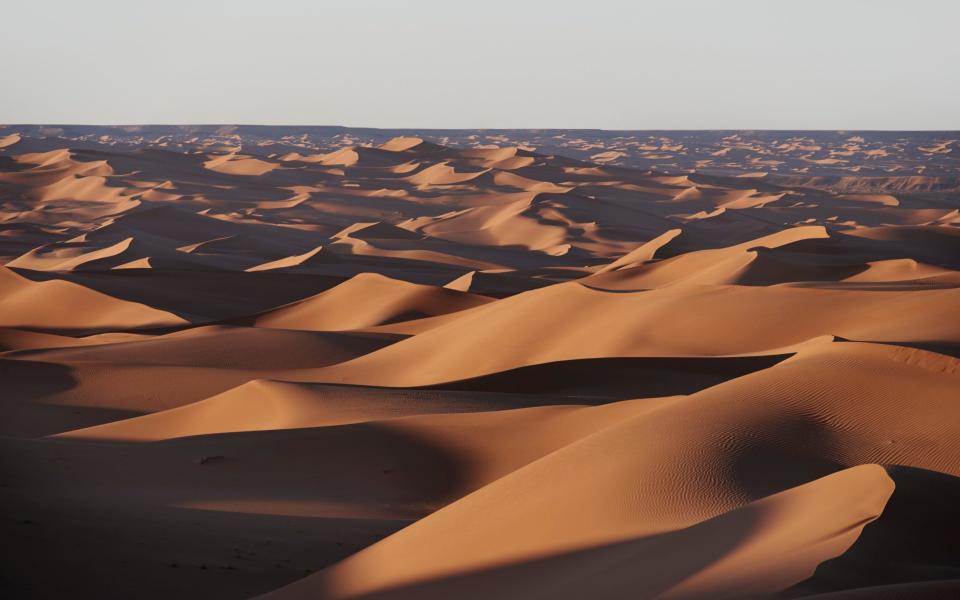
332 363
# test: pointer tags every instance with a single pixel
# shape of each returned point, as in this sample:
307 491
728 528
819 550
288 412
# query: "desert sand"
326 363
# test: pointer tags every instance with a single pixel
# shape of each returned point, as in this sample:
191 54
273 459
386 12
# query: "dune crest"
759 549
368 300
62 305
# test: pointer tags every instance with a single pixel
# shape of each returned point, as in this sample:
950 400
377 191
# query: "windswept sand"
255 363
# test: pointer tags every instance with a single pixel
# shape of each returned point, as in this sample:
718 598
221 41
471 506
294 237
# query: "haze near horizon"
609 64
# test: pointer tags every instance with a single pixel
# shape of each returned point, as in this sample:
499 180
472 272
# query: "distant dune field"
331 363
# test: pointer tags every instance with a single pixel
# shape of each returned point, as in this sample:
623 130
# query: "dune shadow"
617 378
784 454
226 515
112 552
945 348
646 566
914 540
25 386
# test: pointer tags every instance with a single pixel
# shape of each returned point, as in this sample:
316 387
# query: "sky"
608 64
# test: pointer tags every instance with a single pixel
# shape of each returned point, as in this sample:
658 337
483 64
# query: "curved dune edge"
761 548
716 266
459 426
266 405
9 140
768 415
534 327
64 305
246 350
289 261
572 499
368 300
231 164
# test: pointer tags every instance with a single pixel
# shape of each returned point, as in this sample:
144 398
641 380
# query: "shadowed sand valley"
331 363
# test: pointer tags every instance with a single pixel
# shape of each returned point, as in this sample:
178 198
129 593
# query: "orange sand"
420 370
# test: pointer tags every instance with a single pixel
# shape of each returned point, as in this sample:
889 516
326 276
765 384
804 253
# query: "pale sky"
611 64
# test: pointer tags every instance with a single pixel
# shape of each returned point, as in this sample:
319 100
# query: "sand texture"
330 364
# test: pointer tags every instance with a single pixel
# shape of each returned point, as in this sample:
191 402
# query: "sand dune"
642 253
368 300
287 262
236 165
534 327
9 140
739 263
61 305
777 541
795 422
231 347
66 258
323 362
495 225
263 405
127 253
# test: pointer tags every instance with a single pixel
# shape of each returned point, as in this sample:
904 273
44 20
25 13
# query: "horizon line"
432 128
